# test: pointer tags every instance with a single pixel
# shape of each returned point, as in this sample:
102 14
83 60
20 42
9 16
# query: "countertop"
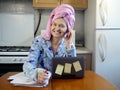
83 50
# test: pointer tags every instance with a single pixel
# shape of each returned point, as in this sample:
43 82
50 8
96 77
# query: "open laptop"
68 67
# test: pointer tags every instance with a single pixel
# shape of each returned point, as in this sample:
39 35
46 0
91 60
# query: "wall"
16 23
90 22
16 6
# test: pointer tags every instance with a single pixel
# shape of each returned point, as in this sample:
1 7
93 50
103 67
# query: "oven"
12 58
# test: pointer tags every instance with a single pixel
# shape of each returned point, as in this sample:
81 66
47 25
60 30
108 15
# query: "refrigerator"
102 37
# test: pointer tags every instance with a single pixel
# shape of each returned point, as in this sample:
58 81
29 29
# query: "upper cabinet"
45 3
77 4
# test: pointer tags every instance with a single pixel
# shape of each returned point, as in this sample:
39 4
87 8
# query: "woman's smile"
58 28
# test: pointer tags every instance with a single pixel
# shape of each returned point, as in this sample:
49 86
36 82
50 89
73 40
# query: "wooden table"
91 81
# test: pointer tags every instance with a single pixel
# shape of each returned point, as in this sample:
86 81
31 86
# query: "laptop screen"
68 67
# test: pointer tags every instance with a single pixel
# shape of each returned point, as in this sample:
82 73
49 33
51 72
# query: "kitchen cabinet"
77 4
88 57
45 3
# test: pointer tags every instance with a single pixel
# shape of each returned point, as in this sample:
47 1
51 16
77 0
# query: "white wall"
16 29
90 25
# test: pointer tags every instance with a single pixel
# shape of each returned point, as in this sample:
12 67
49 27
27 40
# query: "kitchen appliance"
12 58
16 36
102 33
107 58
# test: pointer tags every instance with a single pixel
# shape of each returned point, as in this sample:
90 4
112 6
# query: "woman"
56 42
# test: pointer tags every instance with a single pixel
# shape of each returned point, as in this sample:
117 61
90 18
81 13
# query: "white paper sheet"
21 80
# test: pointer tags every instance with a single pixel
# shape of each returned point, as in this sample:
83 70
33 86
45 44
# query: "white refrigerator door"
107 14
107 58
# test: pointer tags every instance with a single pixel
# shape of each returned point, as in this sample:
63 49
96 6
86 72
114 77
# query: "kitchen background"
102 40
19 24
24 7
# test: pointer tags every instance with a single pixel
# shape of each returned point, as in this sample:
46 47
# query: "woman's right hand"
42 76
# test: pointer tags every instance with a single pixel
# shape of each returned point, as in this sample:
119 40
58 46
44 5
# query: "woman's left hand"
68 39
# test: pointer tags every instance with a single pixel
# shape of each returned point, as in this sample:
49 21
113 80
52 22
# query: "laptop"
68 67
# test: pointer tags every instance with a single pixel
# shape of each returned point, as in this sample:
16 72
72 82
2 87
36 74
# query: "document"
59 69
67 68
77 66
21 80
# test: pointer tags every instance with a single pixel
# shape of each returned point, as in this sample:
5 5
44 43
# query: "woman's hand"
68 39
42 75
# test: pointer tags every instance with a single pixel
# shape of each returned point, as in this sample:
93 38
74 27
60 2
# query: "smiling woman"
58 28
51 44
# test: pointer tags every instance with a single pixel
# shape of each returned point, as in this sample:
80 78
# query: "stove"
13 54
14 49
12 58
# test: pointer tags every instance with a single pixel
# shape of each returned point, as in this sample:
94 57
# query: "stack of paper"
21 80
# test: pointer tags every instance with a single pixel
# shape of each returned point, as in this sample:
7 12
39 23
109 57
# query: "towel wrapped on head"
64 11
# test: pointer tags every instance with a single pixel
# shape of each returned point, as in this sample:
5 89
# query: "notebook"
68 67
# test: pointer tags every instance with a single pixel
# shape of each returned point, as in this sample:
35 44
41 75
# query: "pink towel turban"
63 11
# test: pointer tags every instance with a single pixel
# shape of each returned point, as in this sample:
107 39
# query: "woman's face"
58 28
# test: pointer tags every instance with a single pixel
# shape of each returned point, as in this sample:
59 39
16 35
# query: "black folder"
68 67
